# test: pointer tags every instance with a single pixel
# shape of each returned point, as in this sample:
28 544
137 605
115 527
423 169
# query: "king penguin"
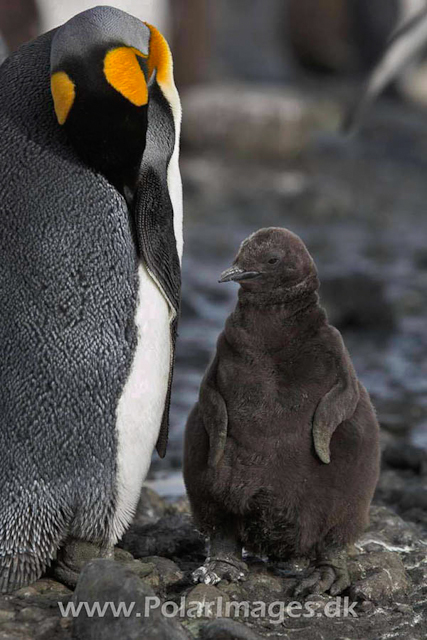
281 452
91 245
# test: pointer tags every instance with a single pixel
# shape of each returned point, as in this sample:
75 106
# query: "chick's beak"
236 274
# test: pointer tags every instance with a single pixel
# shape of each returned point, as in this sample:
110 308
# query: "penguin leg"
73 556
329 575
224 561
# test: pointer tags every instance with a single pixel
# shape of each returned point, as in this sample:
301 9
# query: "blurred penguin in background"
3 49
346 38
19 21
405 45
91 244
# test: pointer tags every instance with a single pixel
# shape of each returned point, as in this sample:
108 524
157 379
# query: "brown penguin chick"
281 450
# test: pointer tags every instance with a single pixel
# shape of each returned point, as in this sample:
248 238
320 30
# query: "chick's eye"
273 260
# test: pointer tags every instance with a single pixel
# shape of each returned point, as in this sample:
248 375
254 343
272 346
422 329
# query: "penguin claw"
202 574
212 578
73 556
322 580
199 574
213 571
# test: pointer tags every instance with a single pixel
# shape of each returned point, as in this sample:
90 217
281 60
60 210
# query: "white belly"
141 405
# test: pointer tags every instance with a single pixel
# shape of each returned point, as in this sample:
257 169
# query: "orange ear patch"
63 93
160 57
123 73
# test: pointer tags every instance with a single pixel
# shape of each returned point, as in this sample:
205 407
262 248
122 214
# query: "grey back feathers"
98 26
67 294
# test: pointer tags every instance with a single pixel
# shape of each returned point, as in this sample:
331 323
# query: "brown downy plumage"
281 450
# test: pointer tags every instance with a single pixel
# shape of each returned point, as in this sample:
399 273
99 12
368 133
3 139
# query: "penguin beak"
236 274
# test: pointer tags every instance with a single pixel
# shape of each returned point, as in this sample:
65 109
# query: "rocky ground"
388 566
360 206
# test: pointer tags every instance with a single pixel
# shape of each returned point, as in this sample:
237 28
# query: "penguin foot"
329 575
221 568
73 556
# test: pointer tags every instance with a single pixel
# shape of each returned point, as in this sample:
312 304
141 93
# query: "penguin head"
272 258
103 62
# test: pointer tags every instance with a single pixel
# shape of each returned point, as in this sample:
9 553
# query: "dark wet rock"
357 301
377 577
407 495
420 259
181 506
387 565
224 629
105 581
160 573
120 555
6 614
412 498
169 537
32 613
403 482
46 588
390 531
164 575
394 424
409 457
261 584
209 600
151 507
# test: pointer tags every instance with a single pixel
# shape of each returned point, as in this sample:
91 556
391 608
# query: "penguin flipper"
214 414
405 43
154 220
157 245
162 440
340 401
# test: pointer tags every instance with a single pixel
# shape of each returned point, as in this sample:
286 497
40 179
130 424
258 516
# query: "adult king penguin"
91 243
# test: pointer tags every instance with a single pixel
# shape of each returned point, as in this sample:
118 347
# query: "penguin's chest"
141 405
